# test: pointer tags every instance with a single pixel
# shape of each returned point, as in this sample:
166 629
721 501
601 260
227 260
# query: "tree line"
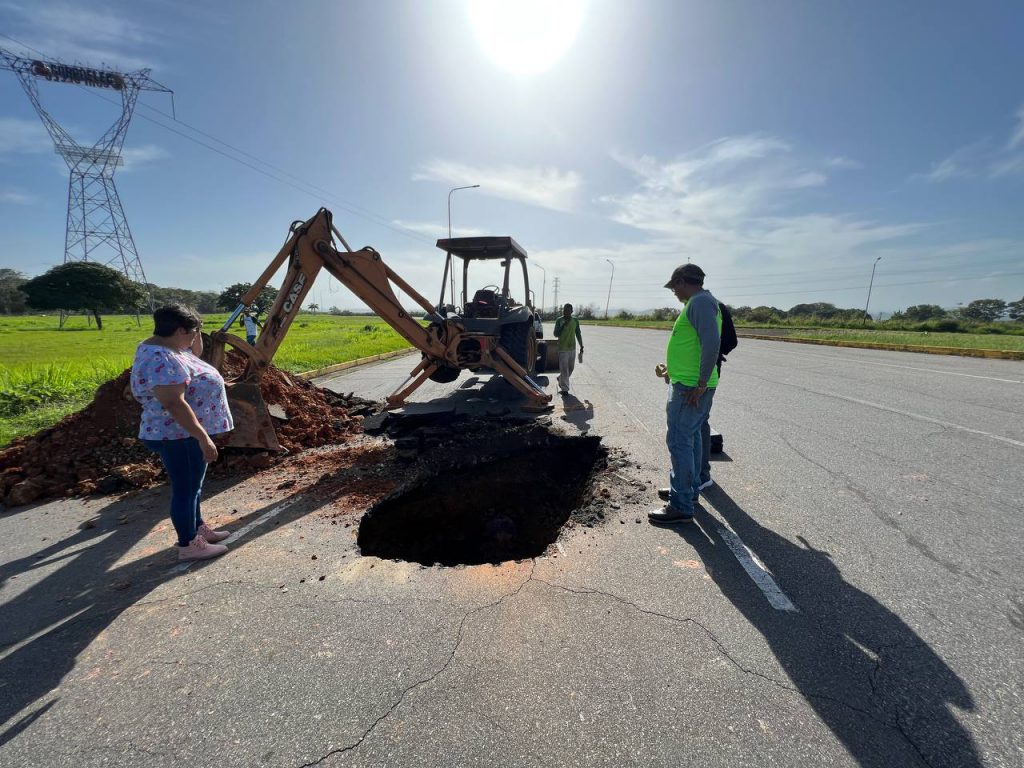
980 311
97 289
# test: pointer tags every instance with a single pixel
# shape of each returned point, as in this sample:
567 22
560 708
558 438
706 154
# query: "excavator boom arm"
310 248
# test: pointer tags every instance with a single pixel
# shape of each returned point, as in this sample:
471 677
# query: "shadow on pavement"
48 625
879 687
577 412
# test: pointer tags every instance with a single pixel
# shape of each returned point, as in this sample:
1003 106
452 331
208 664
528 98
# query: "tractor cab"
492 309
492 301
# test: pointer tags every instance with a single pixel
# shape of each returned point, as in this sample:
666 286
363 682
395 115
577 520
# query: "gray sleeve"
702 312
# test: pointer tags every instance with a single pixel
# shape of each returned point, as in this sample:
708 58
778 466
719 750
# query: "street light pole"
452 274
455 189
610 279
544 287
870 285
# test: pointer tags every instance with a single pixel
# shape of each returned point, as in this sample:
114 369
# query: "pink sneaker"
200 549
211 535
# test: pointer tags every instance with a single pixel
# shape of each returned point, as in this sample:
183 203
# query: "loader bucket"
253 427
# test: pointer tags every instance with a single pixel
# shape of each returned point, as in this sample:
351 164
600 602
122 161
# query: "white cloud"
809 179
725 212
135 157
439 229
961 164
1008 166
844 163
74 33
16 198
1017 139
19 136
740 148
544 187
983 158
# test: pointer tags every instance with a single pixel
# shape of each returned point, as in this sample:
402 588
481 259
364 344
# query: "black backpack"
729 341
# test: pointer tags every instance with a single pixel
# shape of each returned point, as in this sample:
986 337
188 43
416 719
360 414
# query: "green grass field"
47 373
956 340
915 338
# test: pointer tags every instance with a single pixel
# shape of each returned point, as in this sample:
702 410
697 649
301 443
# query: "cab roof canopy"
482 247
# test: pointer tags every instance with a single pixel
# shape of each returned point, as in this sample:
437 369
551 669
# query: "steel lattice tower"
96 226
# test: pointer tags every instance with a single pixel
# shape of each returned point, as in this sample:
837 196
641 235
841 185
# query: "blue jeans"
186 468
705 448
684 444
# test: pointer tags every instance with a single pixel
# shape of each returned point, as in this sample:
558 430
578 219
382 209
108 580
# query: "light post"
452 274
544 287
870 285
610 279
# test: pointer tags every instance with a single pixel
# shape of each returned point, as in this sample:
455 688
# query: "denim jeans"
705 448
684 444
186 468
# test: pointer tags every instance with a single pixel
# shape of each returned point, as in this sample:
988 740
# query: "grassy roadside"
48 373
913 338
956 340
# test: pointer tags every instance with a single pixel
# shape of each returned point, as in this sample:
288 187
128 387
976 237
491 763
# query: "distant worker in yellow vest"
567 331
690 369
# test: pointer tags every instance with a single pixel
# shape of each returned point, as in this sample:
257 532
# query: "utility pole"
556 295
608 301
870 284
97 229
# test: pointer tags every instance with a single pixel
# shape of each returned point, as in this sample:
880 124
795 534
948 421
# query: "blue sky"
782 146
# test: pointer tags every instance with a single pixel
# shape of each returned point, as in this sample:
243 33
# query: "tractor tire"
520 341
445 374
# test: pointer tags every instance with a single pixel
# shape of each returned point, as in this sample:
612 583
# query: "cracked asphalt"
882 491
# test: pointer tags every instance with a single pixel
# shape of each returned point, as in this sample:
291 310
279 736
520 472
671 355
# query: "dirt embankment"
96 449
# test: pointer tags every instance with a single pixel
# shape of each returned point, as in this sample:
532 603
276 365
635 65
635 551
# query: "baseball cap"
687 272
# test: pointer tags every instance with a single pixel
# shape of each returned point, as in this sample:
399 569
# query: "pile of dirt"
96 451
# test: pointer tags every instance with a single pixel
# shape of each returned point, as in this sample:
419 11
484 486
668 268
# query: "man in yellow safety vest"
690 369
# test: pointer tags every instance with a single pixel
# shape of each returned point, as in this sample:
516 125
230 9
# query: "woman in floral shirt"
183 403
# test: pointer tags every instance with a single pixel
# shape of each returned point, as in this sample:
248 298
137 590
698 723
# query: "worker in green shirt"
690 370
567 331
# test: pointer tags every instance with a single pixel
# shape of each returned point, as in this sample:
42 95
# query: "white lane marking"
756 571
182 567
635 418
833 358
918 416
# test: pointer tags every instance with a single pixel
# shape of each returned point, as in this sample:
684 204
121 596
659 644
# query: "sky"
784 147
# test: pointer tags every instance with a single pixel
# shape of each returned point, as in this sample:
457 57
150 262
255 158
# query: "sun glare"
526 37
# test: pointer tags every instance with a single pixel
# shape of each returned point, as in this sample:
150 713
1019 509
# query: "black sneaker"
664 493
668 515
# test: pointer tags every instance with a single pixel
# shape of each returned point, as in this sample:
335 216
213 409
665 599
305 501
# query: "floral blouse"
157 365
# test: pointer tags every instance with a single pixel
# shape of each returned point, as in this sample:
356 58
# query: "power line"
352 208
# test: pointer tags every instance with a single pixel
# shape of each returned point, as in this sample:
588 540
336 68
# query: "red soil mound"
96 450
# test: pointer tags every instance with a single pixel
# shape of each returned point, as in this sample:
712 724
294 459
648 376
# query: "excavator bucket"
253 426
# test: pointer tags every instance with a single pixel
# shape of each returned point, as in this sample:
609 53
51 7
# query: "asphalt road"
851 595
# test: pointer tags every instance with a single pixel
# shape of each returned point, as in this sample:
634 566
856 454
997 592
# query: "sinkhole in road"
498 508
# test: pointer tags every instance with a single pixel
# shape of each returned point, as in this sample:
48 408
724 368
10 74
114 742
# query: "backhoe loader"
493 333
